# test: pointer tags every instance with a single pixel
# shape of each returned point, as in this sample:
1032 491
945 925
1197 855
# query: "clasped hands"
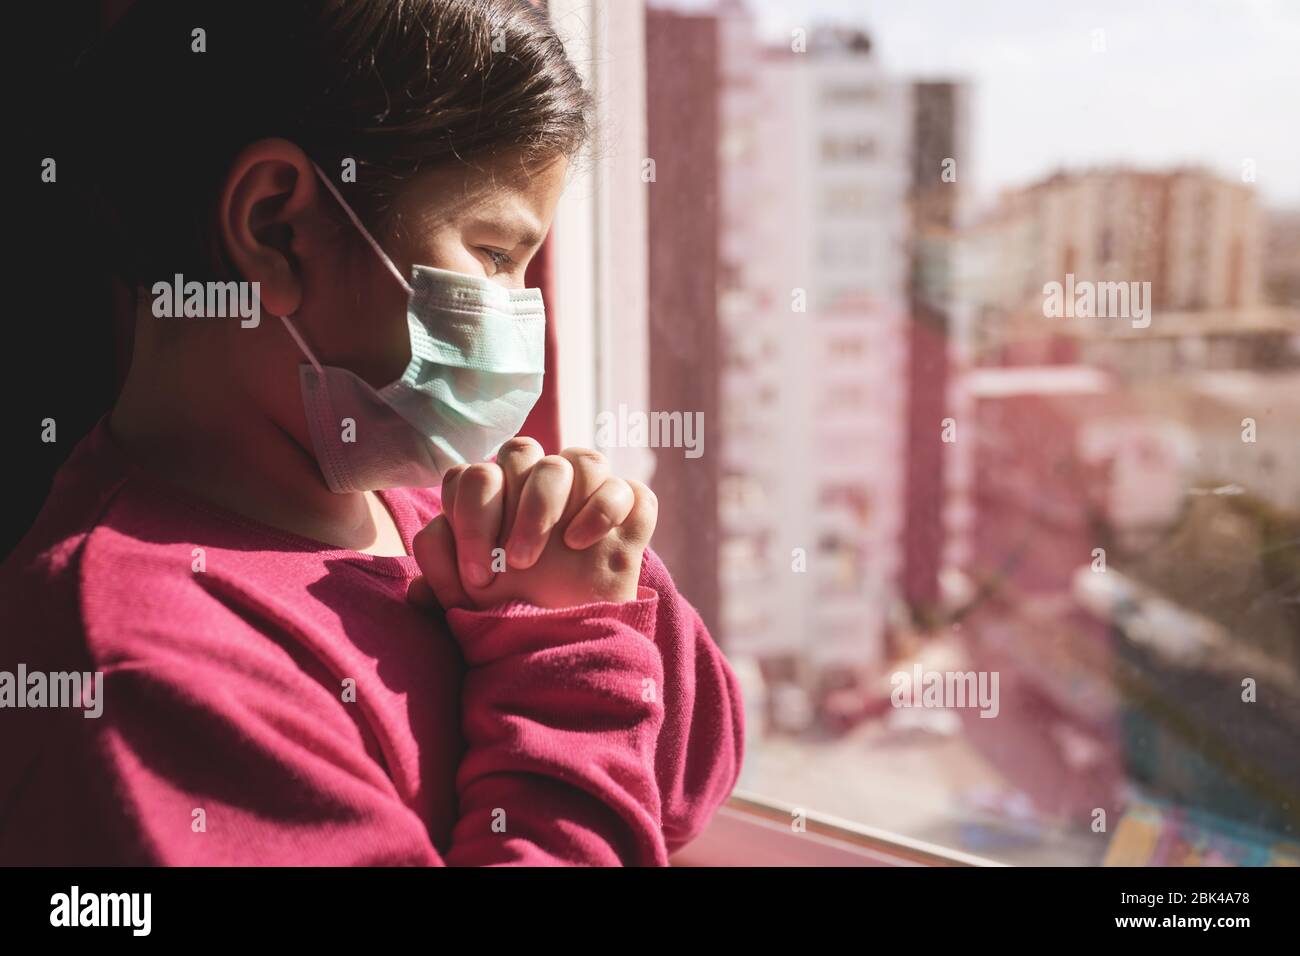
554 531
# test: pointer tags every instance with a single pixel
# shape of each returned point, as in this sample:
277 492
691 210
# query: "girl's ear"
270 194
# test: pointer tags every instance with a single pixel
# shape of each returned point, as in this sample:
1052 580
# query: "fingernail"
477 574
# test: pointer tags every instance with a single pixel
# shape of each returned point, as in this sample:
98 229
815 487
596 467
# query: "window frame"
600 243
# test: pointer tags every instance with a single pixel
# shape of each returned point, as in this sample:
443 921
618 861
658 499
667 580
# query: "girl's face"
486 221
281 228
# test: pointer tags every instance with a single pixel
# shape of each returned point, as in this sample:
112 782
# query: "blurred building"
1039 512
937 465
1166 424
1097 445
1143 493
1192 425
1260 339
1197 238
1282 257
814 308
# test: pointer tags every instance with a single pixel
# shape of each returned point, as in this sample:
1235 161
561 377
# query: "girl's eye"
499 259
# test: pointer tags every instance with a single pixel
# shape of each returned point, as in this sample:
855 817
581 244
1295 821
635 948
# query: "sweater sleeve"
702 742
602 734
561 714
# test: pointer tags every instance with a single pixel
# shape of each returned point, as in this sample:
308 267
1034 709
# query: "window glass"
992 313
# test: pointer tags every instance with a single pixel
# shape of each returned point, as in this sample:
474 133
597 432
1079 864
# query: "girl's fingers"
450 478
606 509
640 523
516 458
541 504
434 550
421 595
476 521
590 469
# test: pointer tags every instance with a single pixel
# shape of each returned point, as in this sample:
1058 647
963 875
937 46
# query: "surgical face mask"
477 360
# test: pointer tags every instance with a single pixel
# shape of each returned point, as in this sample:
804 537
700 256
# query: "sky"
1195 82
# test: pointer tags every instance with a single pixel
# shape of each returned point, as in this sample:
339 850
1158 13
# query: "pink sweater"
269 700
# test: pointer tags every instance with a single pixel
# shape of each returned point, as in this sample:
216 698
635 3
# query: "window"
1052 584
847 148
833 96
845 250
845 200
845 395
845 348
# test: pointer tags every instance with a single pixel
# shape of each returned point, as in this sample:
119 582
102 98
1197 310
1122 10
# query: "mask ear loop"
379 251
311 357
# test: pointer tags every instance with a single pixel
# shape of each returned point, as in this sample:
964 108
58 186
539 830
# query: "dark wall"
59 344
68 321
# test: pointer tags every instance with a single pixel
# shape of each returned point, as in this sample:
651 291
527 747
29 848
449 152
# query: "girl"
301 652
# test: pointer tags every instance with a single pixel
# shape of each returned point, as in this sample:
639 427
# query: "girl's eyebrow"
524 228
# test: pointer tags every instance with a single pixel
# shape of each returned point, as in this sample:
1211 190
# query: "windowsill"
750 831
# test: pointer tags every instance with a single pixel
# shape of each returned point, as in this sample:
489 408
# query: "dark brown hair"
397 85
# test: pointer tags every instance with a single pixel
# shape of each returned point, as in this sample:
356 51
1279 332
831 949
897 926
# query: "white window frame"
599 252
750 830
